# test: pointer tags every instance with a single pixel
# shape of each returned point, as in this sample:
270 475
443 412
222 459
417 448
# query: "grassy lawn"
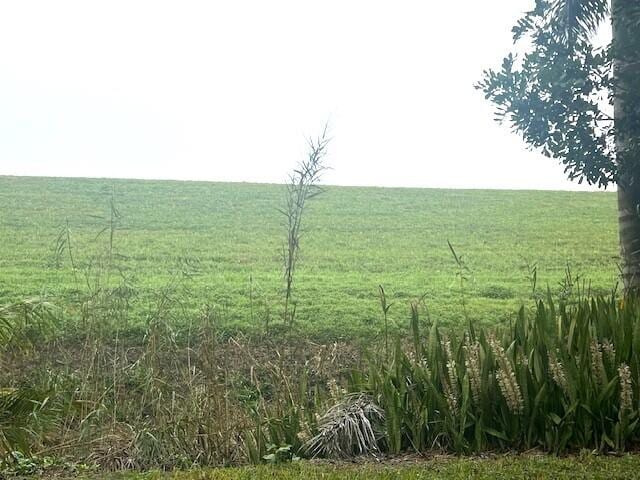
228 238
542 467
195 245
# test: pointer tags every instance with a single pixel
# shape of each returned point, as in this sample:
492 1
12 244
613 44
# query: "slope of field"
219 244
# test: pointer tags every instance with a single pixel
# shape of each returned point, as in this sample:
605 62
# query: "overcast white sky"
217 90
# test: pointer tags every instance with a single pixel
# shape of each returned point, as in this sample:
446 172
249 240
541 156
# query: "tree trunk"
626 68
629 231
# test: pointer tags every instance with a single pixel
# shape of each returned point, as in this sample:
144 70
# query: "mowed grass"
517 467
229 238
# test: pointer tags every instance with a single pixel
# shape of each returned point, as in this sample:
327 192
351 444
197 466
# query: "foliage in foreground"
563 377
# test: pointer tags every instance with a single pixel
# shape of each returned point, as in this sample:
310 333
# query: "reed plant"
302 186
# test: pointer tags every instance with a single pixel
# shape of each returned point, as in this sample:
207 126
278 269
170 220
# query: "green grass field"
516 467
228 237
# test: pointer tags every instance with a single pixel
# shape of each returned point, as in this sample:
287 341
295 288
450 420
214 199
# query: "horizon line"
251 182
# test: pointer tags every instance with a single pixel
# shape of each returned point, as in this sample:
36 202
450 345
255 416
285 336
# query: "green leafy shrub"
562 378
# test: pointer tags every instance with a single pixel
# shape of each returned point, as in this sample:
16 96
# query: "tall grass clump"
301 187
562 378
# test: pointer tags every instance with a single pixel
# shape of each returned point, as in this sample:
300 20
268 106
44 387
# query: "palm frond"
19 321
351 427
24 413
577 19
567 20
